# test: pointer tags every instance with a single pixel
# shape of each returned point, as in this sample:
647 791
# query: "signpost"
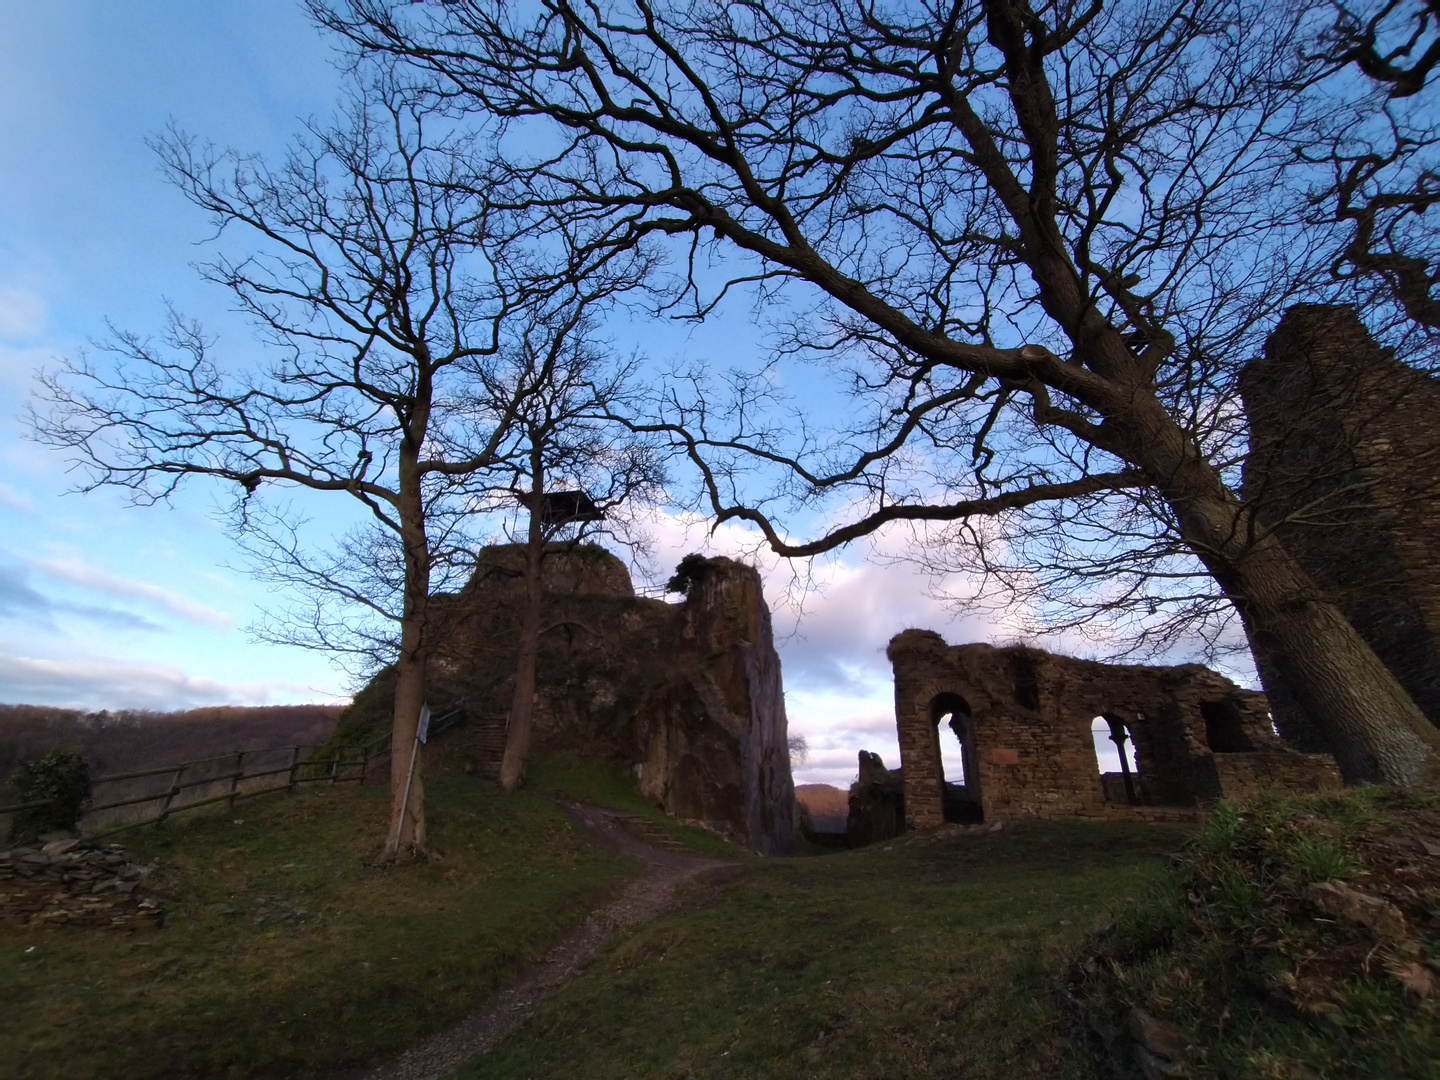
421 734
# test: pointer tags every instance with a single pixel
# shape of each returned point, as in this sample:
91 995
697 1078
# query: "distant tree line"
126 740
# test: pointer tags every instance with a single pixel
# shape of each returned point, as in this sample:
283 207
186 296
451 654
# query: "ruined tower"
1344 465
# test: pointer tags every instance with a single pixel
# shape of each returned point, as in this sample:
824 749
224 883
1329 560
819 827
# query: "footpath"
642 901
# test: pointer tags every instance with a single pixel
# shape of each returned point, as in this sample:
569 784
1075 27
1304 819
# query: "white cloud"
78 572
99 684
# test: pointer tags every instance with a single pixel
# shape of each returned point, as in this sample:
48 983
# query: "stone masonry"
688 698
75 883
1024 719
1344 465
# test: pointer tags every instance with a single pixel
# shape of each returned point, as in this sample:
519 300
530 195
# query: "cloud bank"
77 572
99 684
19 600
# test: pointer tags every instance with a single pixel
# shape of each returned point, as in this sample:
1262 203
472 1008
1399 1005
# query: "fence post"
170 795
335 767
294 770
364 763
235 776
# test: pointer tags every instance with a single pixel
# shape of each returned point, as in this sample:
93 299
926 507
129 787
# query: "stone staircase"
651 832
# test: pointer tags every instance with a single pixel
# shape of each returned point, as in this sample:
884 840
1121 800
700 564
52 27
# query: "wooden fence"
134 798
232 777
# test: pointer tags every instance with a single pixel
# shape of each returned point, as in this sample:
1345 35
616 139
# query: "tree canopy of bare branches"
402 332
1036 241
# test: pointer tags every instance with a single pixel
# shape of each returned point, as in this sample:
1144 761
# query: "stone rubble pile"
75 883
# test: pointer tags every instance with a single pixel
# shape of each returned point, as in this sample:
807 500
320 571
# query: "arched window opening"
954 749
1225 728
1115 756
951 716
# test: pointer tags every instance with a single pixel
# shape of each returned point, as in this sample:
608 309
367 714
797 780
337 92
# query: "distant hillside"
128 740
828 806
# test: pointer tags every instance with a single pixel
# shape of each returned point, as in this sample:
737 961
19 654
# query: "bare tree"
1037 239
575 472
1381 156
386 292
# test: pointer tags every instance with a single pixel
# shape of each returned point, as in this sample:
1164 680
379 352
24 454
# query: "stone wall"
74 883
1344 465
876 803
1025 728
688 697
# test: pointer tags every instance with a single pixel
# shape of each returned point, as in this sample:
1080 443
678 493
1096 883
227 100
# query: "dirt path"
642 901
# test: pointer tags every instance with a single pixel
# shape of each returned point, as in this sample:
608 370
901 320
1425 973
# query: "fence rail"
353 764
348 764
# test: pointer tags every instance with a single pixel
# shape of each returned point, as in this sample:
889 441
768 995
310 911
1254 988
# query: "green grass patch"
561 775
1300 938
321 963
922 958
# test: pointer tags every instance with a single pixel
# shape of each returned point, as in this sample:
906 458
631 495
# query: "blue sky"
105 605
102 604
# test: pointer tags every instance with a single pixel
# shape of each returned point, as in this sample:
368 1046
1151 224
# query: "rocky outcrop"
688 697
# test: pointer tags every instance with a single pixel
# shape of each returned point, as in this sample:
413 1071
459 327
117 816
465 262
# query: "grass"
322 963
1238 949
921 958
566 776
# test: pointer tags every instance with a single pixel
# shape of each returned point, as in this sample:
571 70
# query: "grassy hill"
932 956
284 955
940 954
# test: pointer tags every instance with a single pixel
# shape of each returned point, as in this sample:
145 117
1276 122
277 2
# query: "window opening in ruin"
1115 755
1224 728
1027 686
954 730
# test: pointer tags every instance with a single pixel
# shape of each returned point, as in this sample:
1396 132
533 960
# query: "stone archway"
954 727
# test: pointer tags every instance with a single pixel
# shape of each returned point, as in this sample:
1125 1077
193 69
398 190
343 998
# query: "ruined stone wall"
1344 464
689 697
75 883
1030 716
736 693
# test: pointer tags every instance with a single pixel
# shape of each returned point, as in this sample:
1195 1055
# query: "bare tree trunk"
1374 728
407 773
522 707
407 791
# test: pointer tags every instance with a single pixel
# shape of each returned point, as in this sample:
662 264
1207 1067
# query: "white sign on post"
424 730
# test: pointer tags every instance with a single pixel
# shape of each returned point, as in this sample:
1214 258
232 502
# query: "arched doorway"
1115 756
954 750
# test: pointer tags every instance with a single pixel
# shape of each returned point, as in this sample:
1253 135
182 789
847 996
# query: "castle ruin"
1025 722
1344 466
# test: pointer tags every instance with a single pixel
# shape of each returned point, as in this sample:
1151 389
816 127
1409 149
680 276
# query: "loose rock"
70 882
